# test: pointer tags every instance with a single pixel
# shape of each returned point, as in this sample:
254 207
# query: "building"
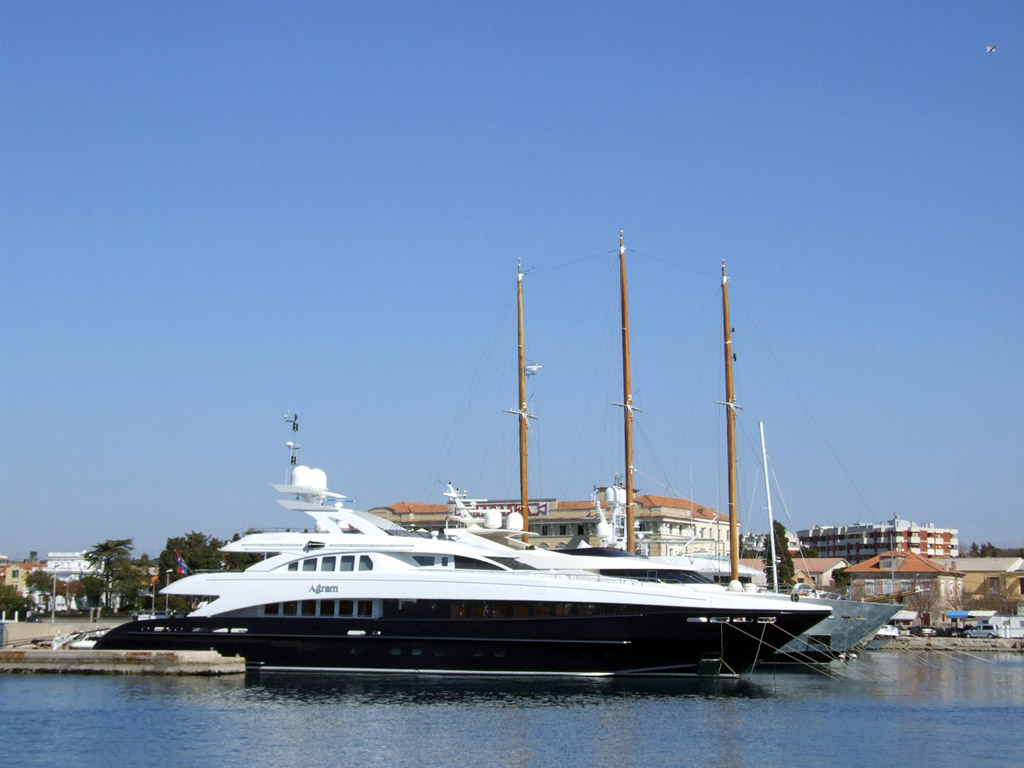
69 565
14 575
861 541
818 571
930 586
665 526
993 583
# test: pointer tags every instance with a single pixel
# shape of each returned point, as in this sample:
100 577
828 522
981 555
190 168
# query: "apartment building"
861 541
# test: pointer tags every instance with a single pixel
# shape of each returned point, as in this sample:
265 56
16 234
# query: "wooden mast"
627 399
730 431
524 496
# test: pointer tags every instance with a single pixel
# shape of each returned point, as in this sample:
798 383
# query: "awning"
970 614
904 616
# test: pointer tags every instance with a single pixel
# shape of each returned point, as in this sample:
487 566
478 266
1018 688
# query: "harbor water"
883 708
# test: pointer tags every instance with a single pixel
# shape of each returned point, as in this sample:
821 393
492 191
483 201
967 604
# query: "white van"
997 626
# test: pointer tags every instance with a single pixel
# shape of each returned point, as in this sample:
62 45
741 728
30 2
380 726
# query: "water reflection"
312 688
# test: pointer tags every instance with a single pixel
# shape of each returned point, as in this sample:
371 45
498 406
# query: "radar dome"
300 476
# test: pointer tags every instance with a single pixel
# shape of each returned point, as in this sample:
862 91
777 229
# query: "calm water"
886 709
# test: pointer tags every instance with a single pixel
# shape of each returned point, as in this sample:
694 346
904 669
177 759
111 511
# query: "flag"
182 568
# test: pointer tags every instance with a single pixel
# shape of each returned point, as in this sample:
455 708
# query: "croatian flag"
182 568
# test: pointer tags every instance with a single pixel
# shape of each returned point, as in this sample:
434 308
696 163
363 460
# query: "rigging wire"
449 441
538 270
807 411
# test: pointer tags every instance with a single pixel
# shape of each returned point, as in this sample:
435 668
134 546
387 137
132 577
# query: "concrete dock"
77 662
961 644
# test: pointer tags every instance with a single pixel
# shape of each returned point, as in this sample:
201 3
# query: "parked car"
922 631
982 629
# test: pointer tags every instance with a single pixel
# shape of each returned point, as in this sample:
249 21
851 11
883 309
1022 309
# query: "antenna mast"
293 447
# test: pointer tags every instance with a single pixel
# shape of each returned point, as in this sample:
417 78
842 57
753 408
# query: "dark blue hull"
651 642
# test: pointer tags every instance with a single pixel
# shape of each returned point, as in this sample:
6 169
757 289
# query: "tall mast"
730 432
524 496
627 399
771 521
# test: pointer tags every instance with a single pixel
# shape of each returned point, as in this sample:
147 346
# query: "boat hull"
649 643
851 624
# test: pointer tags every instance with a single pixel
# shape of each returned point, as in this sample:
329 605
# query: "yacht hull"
651 642
851 624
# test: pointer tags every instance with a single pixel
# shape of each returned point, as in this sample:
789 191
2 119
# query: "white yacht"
359 594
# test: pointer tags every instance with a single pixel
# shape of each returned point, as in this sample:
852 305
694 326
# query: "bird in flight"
990 49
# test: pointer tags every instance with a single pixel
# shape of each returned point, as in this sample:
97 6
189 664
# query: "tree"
40 583
127 582
93 587
841 579
11 602
988 549
71 590
202 553
106 556
784 560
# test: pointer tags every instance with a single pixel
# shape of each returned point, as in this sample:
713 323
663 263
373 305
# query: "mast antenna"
292 418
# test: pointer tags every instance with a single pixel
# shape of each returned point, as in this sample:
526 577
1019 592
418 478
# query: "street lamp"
167 584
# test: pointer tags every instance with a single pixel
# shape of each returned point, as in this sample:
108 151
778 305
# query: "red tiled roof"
588 504
648 500
815 564
417 508
912 563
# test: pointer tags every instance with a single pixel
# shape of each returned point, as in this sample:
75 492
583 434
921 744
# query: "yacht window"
344 607
309 607
473 564
423 559
271 609
327 563
347 563
309 565
365 563
365 607
327 607
293 566
513 564
291 608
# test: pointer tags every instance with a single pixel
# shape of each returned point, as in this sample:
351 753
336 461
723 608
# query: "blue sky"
212 213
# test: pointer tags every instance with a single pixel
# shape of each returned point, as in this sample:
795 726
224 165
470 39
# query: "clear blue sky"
211 213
